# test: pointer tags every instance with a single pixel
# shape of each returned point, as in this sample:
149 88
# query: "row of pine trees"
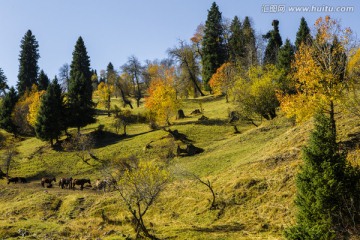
56 112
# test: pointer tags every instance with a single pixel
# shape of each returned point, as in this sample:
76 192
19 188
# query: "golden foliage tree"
352 99
139 188
162 102
255 94
104 92
26 110
319 72
223 80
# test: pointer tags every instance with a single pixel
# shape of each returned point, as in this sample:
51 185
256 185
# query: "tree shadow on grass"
208 122
106 138
234 227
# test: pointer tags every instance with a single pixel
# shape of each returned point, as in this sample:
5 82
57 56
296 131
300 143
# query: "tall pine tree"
274 44
43 81
327 187
303 34
6 109
50 119
248 32
28 63
3 82
236 41
213 48
286 56
80 104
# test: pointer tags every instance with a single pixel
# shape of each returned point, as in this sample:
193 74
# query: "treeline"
224 57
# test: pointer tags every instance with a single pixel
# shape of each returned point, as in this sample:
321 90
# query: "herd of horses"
70 183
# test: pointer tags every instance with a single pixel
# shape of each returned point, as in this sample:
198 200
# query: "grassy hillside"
252 174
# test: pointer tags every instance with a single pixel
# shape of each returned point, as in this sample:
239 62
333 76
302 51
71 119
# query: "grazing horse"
100 184
65 182
22 180
48 181
12 179
80 182
105 183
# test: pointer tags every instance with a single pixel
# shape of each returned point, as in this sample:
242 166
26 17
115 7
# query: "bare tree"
82 145
134 69
8 157
64 77
186 57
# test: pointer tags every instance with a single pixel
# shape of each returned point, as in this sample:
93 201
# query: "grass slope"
252 174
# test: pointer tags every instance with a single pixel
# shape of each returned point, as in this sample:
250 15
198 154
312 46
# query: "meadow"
252 174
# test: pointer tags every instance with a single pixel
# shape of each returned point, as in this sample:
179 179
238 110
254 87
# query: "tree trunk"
193 79
332 120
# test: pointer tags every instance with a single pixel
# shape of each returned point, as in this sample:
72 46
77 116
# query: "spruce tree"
213 51
248 32
80 106
236 41
274 44
6 109
28 63
286 56
50 118
43 81
303 34
3 82
327 187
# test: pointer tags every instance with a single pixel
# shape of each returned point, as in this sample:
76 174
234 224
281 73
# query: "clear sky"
113 30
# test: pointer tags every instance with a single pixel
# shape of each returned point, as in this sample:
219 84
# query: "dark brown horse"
22 180
80 182
65 182
12 179
48 181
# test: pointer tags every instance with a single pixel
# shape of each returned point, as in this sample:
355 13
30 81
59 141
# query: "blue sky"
113 30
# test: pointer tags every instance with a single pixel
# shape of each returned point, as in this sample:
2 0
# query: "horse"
105 183
65 182
100 184
22 180
80 182
12 179
48 181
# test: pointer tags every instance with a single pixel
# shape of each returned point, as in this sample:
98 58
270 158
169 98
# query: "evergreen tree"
80 105
285 56
6 109
3 80
213 48
43 81
249 44
81 111
274 44
50 118
303 34
327 188
236 41
80 61
28 66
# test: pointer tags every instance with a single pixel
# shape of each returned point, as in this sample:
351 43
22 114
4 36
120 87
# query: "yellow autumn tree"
319 72
162 102
352 99
26 110
34 107
104 92
222 81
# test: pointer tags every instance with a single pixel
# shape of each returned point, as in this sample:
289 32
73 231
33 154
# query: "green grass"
252 173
